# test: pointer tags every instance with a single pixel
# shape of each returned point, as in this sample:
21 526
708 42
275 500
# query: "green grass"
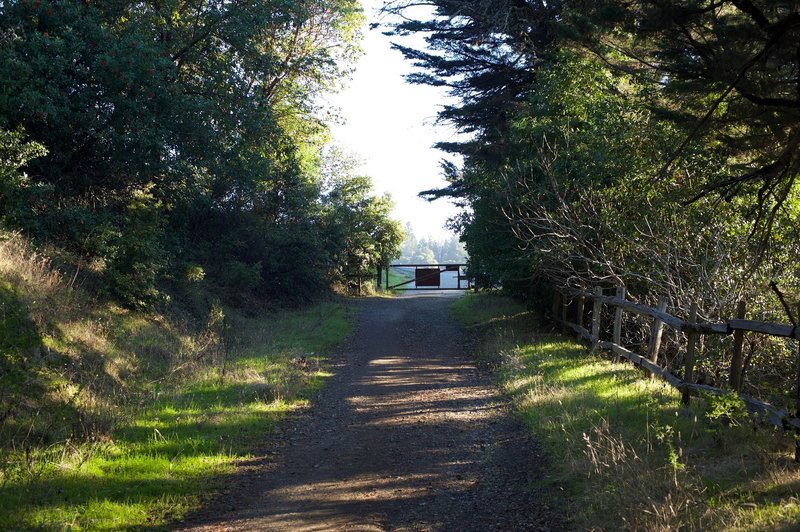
397 276
487 308
621 446
175 438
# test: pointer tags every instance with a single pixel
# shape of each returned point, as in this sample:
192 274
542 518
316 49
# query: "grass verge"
400 275
113 419
623 449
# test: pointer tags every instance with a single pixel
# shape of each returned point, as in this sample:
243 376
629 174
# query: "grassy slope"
114 419
397 276
621 446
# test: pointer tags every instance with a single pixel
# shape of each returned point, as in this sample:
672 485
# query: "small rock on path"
409 435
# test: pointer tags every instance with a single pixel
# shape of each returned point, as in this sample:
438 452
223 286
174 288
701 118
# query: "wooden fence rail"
694 329
763 327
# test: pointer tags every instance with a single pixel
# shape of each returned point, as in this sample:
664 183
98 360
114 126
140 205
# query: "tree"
429 250
693 96
649 145
726 72
362 235
485 52
204 111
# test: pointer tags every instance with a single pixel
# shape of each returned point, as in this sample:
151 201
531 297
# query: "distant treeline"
429 250
166 143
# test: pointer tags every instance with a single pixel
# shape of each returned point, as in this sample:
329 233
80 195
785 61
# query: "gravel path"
409 435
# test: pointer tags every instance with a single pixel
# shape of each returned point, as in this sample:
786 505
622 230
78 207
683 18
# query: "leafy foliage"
15 153
361 231
177 134
727 71
646 144
430 250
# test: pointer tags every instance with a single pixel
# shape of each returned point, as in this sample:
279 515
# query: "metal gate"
426 277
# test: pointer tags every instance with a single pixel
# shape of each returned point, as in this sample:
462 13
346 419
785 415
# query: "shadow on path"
407 436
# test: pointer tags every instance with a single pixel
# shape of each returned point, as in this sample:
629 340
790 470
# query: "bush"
242 276
138 258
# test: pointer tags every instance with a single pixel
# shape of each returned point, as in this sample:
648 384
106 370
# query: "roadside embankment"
626 452
112 418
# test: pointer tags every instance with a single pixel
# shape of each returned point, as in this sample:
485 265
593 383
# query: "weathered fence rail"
694 328
728 327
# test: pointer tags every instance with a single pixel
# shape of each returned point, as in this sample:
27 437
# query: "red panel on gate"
427 277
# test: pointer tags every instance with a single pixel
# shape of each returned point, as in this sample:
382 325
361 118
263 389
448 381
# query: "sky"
389 126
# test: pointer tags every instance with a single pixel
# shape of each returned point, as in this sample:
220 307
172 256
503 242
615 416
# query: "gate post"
555 309
656 334
738 343
688 370
597 309
618 322
797 395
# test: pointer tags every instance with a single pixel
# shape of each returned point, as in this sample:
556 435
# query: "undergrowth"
621 446
115 419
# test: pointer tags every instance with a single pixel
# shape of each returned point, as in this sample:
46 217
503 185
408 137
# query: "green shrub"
194 273
242 276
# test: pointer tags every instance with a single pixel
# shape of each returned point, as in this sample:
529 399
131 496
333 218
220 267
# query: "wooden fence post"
618 321
688 371
597 309
738 342
564 313
656 334
579 312
556 310
797 395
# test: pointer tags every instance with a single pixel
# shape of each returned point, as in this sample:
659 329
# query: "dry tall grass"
32 276
85 359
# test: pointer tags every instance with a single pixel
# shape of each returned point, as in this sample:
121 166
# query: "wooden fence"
693 328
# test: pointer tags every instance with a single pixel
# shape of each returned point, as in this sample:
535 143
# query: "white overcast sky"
389 125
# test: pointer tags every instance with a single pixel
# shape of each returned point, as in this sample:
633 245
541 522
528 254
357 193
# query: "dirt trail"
407 436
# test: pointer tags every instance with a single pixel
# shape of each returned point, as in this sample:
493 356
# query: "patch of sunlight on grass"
765 516
113 492
100 514
167 452
306 335
515 384
94 515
